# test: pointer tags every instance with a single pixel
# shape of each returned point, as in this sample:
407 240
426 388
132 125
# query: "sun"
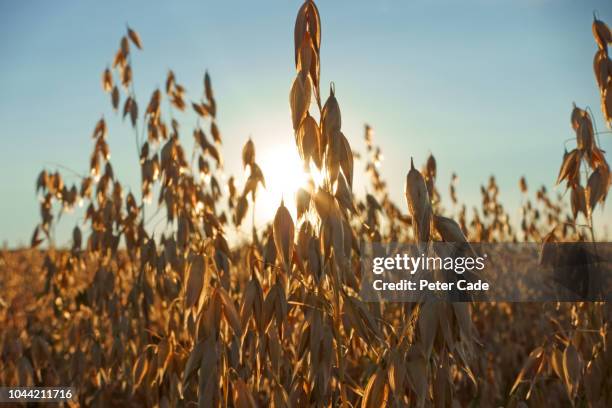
284 174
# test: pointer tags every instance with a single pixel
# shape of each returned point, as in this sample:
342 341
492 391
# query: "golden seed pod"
208 91
107 80
124 46
578 201
595 158
419 206
308 141
302 202
602 33
331 120
307 24
134 113
429 182
299 98
135 38
100 129
42 180
284 230
214 131
523 184
346 160
255 177
448 229
602 66
324 204
597 186
349 240
343 194
576 116
570 168
126 77
115 98
257 174
548 254
248 153
303 239
299 30
431 166
231 186
307 56
131 107
170 81
332 236
606 103
585 134
333 155
241 208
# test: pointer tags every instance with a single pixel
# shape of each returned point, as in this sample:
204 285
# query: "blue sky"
486 86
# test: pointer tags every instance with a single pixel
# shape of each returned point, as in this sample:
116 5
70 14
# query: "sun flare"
284 175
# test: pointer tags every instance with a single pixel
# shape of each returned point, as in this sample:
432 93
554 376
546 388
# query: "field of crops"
192 316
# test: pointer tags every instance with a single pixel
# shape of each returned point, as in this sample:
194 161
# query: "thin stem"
253 220
61 166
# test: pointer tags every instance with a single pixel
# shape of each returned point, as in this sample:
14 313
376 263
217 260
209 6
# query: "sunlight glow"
284 174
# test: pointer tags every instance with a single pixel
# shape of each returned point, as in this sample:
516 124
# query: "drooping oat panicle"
602 66
307 29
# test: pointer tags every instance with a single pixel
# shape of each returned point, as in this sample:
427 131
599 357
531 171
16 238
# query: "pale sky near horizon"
485 85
